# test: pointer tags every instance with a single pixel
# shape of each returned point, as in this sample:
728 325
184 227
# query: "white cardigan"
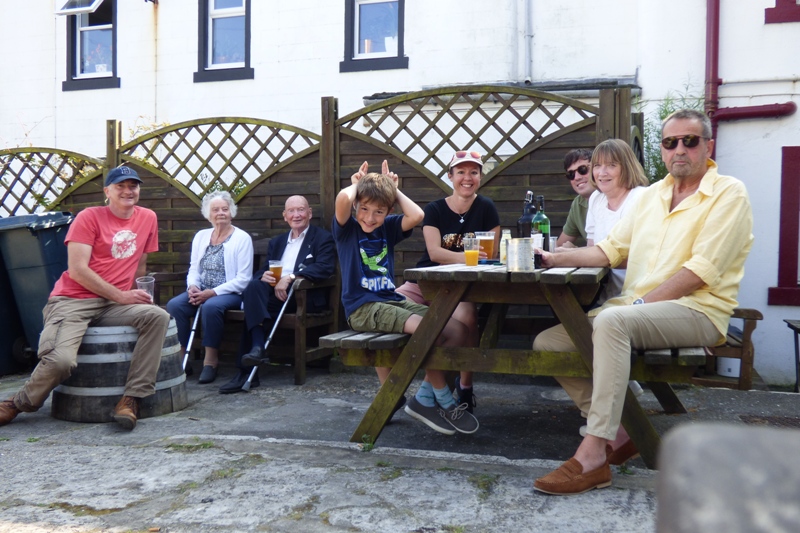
238 254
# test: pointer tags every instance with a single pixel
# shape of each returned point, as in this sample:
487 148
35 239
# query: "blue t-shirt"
367 261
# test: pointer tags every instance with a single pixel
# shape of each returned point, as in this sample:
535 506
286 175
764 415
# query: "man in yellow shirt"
685 245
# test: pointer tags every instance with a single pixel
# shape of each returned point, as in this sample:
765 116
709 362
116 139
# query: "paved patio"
278 459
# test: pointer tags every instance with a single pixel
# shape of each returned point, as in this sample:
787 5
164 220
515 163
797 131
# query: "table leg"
409 362
494 325
666 396
634 419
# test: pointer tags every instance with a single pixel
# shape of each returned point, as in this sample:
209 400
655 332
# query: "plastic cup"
147 284
276 267
471 250
552 244
487 242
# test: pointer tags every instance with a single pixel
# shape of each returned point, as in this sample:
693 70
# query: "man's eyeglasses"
689 141
582 170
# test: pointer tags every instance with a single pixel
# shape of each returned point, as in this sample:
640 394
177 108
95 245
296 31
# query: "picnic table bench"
565 290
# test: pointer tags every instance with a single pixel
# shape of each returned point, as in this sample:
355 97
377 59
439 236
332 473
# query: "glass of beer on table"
276 267
486 239
471 251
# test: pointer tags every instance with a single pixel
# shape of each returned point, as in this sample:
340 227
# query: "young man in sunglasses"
577 164
685 243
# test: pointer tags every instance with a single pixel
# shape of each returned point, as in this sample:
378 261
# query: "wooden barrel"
96 385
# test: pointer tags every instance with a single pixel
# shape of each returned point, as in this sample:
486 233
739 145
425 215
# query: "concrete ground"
278 459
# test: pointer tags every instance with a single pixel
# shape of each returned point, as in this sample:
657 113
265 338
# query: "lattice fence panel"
429 126
225 153
32 179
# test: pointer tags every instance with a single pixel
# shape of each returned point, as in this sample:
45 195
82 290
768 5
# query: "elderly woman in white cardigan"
220 269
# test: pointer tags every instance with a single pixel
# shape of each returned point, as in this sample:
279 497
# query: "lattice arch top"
425 128
230 153
32 180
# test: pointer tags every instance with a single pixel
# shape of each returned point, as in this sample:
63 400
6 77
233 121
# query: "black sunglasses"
689 141
582 170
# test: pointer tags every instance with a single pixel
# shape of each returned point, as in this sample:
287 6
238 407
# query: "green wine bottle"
541 224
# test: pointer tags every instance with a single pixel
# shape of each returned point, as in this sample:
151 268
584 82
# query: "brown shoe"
8 411
570 479
126 412
623 454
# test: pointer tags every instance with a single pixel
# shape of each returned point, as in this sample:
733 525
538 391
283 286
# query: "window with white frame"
224 48
226 33
374 35
375 28
91 36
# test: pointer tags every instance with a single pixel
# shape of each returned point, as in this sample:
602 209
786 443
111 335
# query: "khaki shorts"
385 317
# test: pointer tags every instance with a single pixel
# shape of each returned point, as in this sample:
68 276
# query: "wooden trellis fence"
524 134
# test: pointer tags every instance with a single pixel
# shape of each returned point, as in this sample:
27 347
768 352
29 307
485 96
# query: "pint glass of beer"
276 267
486 239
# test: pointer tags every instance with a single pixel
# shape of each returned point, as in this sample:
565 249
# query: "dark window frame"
350 64
205 74
788 291
784 11
73 83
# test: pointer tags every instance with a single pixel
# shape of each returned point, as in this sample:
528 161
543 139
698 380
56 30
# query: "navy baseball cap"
118 174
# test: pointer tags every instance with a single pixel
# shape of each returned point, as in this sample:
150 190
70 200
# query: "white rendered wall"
296 50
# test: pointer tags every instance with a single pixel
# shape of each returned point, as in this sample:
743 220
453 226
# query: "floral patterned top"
212 266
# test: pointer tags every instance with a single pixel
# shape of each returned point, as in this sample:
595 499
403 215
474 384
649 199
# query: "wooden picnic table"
565 290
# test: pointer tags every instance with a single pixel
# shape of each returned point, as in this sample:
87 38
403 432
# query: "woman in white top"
620 180
221 267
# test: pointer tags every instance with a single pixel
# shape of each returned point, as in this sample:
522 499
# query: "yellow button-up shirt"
709 233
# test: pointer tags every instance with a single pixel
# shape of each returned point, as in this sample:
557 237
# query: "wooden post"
607 119
113 142
623 115
328 170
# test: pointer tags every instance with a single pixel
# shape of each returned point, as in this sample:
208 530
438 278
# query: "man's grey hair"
208 198
690 114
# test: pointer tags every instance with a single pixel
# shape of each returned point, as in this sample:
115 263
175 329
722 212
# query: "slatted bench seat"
356 348
658 368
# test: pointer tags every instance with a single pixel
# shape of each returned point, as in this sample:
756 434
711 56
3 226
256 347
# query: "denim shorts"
385 317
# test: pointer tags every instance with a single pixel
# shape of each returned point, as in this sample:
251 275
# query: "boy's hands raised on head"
362 171
385 171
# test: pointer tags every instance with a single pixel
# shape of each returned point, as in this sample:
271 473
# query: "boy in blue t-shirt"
365 244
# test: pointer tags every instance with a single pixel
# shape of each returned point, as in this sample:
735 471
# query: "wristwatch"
638 301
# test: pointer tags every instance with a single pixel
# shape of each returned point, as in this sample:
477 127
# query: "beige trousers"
615 331
65 323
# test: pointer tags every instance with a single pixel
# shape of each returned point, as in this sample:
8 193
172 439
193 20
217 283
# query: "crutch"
246 386
191 338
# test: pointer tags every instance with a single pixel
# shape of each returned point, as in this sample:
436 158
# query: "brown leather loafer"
126 412
8 411
570 479
623 454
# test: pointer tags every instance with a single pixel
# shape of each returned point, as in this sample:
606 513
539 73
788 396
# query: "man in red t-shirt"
107 249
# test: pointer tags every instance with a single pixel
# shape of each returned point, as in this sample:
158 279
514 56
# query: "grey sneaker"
430 416
460 418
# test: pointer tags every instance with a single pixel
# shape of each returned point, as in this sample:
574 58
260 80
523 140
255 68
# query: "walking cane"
191 338
246 386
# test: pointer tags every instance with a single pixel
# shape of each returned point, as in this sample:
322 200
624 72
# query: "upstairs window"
91 36
374 35
224 48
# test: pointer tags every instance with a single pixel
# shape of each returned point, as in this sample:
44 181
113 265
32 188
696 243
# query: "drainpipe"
713 82
712 62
